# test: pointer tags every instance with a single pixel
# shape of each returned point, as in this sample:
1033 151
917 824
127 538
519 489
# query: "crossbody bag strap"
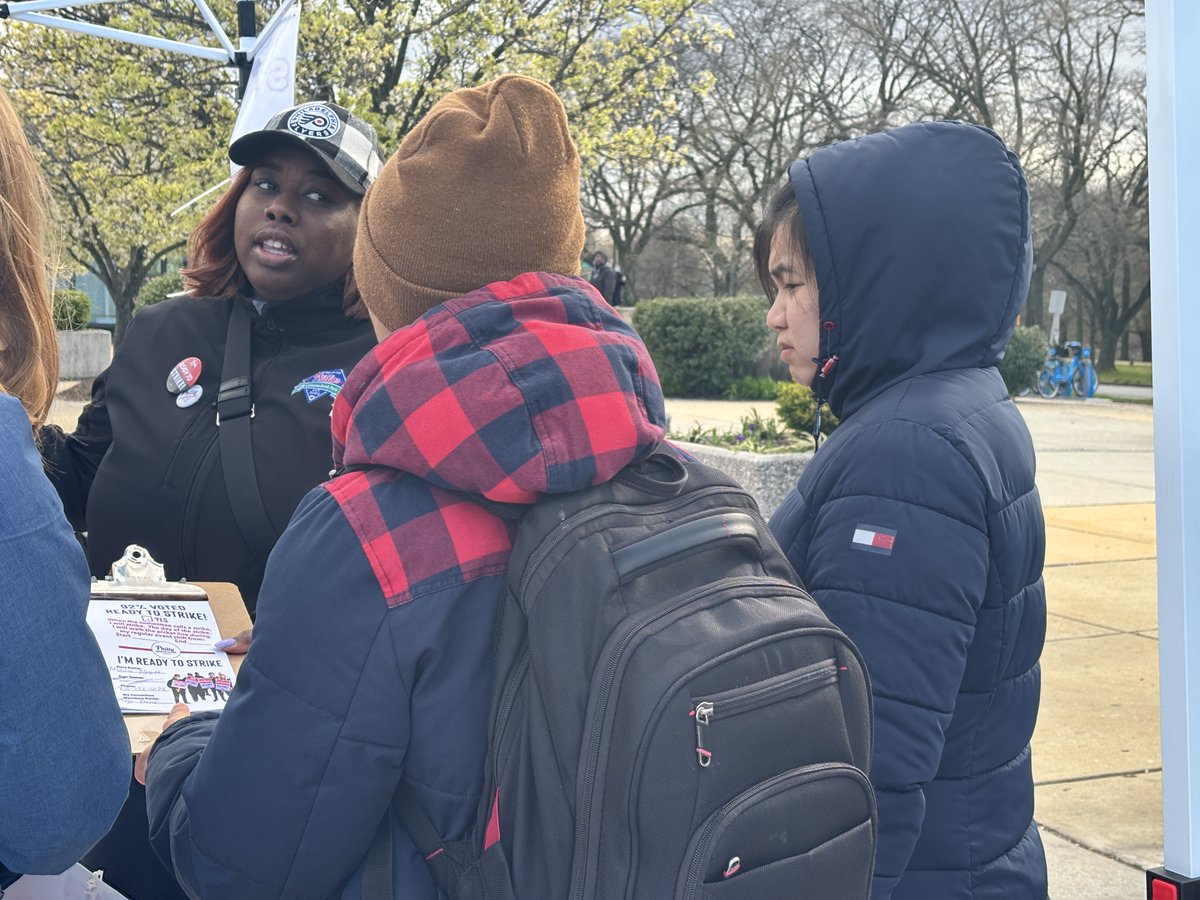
235 413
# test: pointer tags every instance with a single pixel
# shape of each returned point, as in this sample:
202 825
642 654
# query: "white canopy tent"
35 12
1173 85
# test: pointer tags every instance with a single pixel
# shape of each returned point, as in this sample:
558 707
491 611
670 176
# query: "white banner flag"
272 83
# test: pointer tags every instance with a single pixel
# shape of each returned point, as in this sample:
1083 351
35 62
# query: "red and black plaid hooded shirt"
519 389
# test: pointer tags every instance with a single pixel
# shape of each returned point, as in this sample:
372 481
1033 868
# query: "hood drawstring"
820 395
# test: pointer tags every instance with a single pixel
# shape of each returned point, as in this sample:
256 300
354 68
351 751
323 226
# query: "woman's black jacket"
140 469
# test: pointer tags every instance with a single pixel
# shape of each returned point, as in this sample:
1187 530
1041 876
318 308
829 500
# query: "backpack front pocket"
802 834
749 734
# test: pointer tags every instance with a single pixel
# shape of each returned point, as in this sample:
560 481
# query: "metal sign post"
247 28
1173 92
1058 303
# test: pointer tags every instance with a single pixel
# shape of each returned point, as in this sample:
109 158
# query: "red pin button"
184 375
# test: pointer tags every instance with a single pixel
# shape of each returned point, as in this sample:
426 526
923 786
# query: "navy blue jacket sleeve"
280 795
64 752
891 541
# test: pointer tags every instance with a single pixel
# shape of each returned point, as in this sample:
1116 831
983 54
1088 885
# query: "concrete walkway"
1126 392
1096 749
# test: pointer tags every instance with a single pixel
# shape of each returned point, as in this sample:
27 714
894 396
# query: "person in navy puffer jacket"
896 264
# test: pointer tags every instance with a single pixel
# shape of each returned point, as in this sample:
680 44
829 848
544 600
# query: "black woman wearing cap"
270 326
212 422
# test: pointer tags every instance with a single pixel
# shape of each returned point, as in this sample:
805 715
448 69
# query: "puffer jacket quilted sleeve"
280 795
918 530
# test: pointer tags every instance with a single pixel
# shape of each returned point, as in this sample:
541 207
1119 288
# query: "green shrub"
753 387
156 289
701 346
798 410
754 435
1024 358
72 309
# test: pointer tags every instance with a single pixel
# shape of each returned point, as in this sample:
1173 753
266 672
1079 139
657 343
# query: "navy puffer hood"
922 249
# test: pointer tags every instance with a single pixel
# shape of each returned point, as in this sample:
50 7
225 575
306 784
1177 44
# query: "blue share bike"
1068 371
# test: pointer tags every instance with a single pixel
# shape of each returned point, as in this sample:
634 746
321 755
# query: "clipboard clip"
139 575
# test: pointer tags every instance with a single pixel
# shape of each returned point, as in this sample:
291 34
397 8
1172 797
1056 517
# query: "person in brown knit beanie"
503 376
485 187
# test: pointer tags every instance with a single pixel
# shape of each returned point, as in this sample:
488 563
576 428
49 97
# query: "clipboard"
137 576
232 618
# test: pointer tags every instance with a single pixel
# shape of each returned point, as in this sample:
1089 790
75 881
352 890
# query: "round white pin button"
189 397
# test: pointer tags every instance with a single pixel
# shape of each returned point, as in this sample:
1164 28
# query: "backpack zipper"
733 702
583 814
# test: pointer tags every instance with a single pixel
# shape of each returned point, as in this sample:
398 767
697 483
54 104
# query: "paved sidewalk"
1096 750
1126 392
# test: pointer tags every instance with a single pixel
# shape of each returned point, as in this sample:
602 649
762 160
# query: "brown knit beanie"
483 189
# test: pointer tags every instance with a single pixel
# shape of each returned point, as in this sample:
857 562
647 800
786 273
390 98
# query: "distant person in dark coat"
896 265
604 278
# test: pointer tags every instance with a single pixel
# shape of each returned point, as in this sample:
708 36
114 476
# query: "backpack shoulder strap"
377 882
235 412
441 856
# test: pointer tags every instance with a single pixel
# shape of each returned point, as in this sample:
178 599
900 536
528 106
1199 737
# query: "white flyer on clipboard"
160 652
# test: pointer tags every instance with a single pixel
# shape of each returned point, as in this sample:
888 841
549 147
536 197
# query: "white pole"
215 25
1173 92
265 34
144 40
198 198
42 5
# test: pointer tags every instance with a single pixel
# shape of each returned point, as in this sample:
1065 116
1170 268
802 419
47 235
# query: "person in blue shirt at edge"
64 752
896 265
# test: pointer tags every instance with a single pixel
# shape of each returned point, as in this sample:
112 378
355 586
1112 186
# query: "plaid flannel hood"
521 388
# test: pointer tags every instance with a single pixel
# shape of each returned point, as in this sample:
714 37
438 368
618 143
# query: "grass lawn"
1137 374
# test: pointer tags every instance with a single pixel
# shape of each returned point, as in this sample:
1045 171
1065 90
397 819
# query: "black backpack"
671 716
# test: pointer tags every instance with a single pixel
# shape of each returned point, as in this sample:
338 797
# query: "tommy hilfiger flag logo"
873 539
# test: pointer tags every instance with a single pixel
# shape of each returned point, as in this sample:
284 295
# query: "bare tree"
1106 263
786 80
1057 79
1081 125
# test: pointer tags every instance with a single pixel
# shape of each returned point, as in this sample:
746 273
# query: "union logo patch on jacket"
322 384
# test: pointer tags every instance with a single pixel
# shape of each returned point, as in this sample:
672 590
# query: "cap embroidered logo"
314 120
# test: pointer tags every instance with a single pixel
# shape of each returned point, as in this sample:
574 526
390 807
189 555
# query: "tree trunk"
1107 357
1033 313
711 237
624 256
1144 340
123 301
629 291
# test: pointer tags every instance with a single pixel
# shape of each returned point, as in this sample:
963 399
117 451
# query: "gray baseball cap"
343 141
